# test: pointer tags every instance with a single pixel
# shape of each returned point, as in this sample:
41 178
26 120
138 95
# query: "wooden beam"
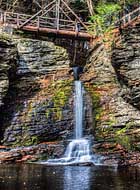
75 15
129 16
47 11
34 1
65 14
63 33
90 7
36 14
58 14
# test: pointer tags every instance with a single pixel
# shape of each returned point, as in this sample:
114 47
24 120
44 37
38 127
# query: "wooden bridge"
58 19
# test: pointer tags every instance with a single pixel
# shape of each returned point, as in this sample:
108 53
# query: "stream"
42 177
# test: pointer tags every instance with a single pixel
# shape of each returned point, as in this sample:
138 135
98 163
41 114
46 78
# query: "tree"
90 7
103 20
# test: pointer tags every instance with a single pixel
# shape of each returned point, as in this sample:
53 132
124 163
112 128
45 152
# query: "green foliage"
125 141
107 9
103 20
95 101
126 128
121 131
26 140
5 37
30 141
122 138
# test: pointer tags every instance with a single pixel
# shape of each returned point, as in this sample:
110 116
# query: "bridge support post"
57 14
1 18
17 20
38 22
4 18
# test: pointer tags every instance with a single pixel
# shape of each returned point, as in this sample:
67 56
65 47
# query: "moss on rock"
61 91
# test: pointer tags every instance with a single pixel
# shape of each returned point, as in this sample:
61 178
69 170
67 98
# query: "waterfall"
78 150
78 109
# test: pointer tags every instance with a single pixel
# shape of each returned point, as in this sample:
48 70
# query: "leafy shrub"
103 20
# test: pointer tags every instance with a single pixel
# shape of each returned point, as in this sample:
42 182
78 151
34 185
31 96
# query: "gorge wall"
112 78
38 104
8 59
42 75
8 62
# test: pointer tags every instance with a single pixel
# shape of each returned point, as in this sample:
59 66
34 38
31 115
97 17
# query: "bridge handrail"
128 18
18 19
24 15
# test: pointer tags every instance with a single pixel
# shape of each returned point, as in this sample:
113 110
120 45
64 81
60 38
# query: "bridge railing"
18 20
128 18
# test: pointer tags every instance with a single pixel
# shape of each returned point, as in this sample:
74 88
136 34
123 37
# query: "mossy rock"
125 141
61 91
5 37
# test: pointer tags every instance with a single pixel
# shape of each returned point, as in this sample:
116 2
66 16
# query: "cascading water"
78 150
78 102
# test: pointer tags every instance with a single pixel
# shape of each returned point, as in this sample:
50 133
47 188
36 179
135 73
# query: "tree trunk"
90 7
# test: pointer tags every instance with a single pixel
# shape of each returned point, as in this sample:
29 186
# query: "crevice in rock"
126 63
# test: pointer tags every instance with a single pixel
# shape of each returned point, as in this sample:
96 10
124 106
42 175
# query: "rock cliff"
39 101
8 62
126 62
112 78
8 57
38 95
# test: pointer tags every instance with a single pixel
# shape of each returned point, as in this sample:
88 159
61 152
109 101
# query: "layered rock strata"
40 101
41 107
112 78
8 59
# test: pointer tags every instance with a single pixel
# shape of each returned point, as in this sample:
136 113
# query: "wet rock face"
42 116
126 61
39 107
40 99
116 120
8 59
40 57
33 153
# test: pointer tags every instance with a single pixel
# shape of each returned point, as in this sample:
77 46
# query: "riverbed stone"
40 152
